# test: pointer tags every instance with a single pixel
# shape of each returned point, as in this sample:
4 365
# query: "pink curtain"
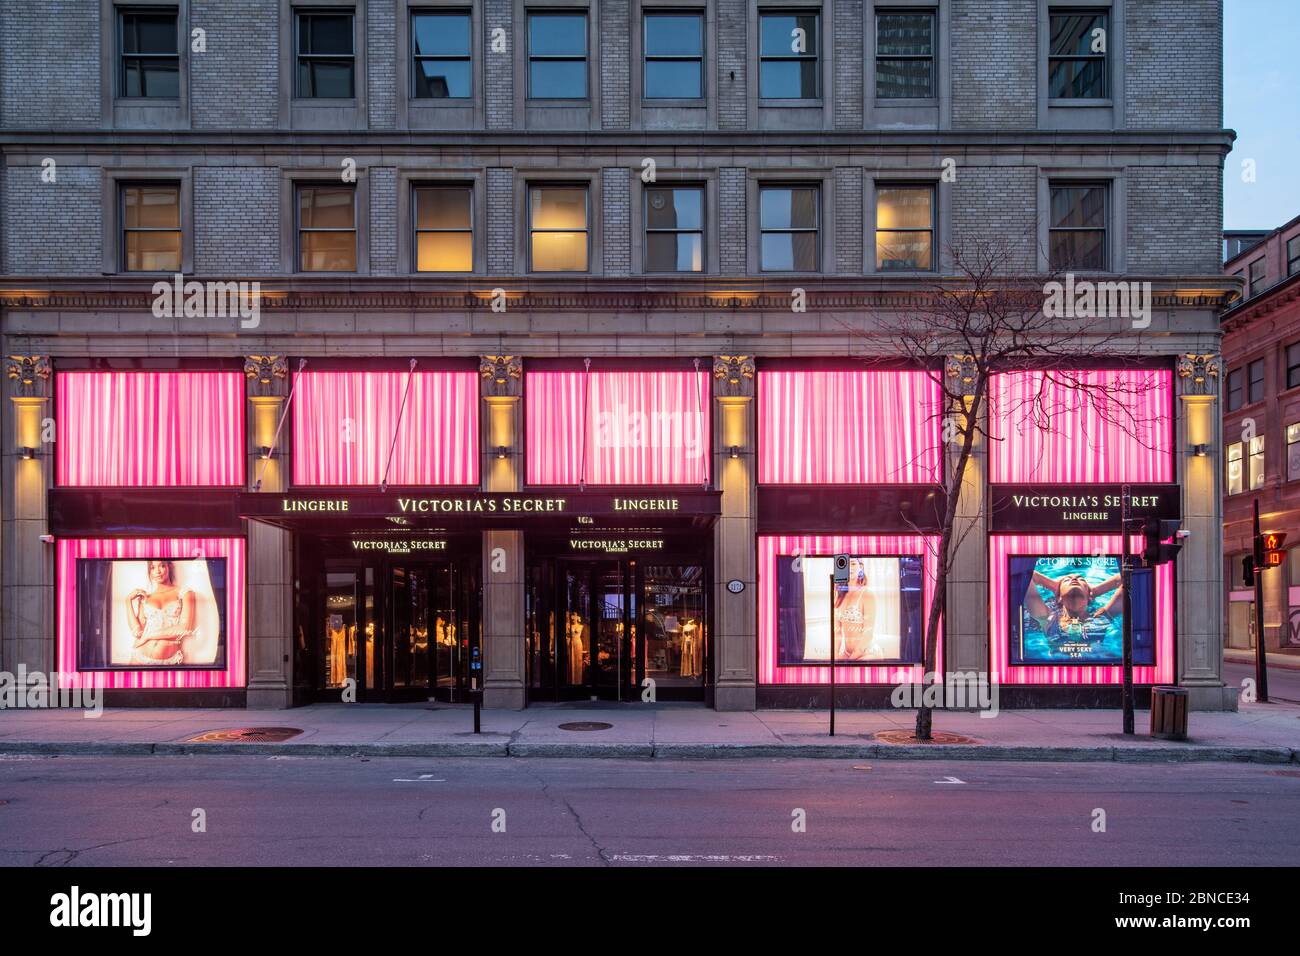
640 428
847 427
149 428
770 547
70 549
343 425
1046 428
1003 546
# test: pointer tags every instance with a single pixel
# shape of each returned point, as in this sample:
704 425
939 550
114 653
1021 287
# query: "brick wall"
732 226
848 220
501 221
235 84
997 203
35 36
381 64
383 220
616 219
848 64
1174 64
994 64
615 68
499 69
732 19
236 220
1175 219
53 228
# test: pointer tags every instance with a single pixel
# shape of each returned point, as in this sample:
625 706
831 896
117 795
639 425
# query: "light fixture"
264 452
1200 451
27 453
503 452
733 451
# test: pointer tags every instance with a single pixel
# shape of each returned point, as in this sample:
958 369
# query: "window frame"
414 58
1235 382
1107 93
933 229
296 15
647 13
129 10
529 232
1293 255
1105 229
415 190
1234 452
122 229
816 12
1292 356
816 185
932 14
298 229
647 230
1255 456
1253 282
1292 450
585 60
1251 368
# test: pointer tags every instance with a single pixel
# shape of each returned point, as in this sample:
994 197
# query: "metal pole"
832 653
1261 659
1127 624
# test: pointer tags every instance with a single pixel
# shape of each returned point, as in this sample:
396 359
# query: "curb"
1155 753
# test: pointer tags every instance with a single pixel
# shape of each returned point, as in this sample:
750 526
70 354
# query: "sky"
1261 101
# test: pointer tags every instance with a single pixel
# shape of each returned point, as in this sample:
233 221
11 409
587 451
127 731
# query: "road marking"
692 858
950 780
423 778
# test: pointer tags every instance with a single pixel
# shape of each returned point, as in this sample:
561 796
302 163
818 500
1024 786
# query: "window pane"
325 33
557 35
899 208
153 252
1078 206
788 208
442 79
559 208
790 252
325 79
679 79
1078 249
559 252
788 79
1072 33
904 34
329 251
674 252
444 252
323 208
904 251
149 33
673 35
778 36
1077 79
442 209
151 207
899 79
440 34
675 209
558 79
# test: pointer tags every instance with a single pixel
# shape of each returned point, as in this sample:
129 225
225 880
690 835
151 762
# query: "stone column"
735 616
27 605
270 549
966 634
1200 564
504 650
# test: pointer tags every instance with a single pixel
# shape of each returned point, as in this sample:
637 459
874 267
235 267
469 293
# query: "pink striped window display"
847 427
180 549
771 547
1003 546
1048 429
620 427
344 423
142 429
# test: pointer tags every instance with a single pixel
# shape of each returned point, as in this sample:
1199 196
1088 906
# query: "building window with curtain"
674 229
904 228
1235 470
444 232
1256 462
789 227
558 228
789 63
441 61
151 228
1076 63
1293 452
327 229
905 54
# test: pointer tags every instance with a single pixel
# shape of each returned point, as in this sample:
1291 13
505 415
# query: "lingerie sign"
1042 508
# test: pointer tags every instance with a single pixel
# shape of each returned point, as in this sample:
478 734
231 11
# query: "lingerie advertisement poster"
151 614
877 614
1069 610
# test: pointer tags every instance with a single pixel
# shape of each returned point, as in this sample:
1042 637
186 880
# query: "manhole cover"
247 735
586 725
936 737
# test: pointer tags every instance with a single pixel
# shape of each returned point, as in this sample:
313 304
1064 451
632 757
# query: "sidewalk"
1288 658
1263 733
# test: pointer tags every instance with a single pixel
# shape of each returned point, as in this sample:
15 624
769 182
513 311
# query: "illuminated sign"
482 505
399 545
616 545
1078 507
314 504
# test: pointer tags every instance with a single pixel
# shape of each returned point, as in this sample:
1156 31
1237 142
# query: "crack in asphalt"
74 853
601 852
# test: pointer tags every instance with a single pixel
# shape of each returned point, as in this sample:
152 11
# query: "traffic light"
1157 547
1268 549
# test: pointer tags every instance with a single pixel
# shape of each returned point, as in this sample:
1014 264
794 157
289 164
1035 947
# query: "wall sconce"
733 451
1200 451
503 452
27 453
264 452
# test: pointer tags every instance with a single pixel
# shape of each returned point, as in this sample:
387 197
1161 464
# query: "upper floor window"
557 56
444 234
1293 256
151 63
1293 365
789 223
1293 452
674 56
1257 273
440 55
1235 470
1236 389
674 229
558 228
1256 462
904 228
789 65
327 229
905 54
151 228
1255 381
1077 230
1076 62
326 59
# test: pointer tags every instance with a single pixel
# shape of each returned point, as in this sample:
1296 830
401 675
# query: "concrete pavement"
1259 733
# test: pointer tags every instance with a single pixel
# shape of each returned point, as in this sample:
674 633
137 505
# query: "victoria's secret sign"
1077 507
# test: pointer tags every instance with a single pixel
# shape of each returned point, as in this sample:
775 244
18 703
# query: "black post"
475 685
832 653
1261 659
1127 624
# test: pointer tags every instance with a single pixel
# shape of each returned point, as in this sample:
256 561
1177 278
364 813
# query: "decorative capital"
960 371
734 374
263 370
501 374
1199 374
29 374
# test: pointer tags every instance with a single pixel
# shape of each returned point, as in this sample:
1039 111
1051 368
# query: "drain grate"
247 735
586 725
937 737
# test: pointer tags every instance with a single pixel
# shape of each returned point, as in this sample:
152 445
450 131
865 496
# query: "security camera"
47 539
1183 533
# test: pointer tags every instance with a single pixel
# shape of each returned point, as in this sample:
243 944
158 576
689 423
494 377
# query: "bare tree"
985 317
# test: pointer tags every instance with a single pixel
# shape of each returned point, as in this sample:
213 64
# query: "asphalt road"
104 811
1283 682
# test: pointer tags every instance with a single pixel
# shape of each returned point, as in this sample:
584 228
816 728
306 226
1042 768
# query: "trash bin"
1169 713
